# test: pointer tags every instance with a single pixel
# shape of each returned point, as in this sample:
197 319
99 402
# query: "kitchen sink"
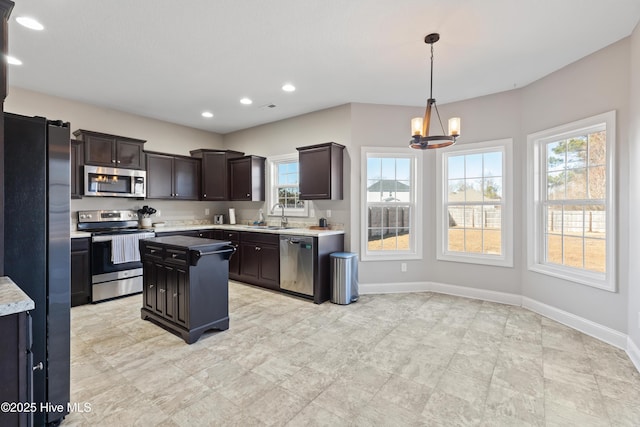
269 227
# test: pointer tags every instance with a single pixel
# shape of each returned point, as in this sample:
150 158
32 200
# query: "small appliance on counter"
323 223
218 219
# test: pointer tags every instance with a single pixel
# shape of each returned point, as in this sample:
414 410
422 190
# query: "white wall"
590 86
633 192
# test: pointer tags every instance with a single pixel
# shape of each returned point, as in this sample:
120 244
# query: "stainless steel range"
116 269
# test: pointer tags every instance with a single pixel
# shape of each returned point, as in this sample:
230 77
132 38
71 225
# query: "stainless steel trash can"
344 277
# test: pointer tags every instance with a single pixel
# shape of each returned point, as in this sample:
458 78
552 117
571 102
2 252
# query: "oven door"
109 280
101 181
101 258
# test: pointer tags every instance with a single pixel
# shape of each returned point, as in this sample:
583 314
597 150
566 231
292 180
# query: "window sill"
390 257
496 261
594 280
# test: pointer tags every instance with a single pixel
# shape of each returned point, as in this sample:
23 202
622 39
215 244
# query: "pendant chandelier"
420 126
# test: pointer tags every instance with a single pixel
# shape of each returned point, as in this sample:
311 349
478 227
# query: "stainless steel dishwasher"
296 264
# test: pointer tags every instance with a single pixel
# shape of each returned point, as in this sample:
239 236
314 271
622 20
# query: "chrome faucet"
283 220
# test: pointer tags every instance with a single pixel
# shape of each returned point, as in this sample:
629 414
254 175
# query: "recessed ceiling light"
207 114
288 87
246 101
30 23
13 60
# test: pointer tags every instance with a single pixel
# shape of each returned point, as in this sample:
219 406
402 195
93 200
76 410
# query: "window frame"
505 146
272 189
415 219
536 196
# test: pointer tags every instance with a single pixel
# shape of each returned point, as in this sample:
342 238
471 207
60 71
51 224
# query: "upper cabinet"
172 177
215 174
321 171
77 161
246 178
101 149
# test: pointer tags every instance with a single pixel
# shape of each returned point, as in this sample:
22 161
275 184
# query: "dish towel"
125 247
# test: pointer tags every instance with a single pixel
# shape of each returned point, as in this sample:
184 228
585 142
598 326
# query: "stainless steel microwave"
114 182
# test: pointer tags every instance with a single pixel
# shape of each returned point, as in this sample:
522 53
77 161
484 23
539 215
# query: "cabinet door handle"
38 367
150 286
176 194
113 161
248 194
175 295
204 195
118 161
152 251
257 248
161 290
174 255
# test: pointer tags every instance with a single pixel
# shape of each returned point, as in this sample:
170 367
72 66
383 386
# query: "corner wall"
590 86
633 317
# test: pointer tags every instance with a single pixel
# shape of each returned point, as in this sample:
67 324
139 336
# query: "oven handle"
109 238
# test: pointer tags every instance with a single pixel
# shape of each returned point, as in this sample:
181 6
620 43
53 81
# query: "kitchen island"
185 284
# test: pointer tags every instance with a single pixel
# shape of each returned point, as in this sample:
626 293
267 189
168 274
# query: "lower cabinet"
16 361
80 272
260 259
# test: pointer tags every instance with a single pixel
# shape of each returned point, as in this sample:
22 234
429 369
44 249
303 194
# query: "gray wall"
590 86
606 80
279 138
633 192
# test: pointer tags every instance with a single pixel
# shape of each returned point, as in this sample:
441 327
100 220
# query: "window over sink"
283 186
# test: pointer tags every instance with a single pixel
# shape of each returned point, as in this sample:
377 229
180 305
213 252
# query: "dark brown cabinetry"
234 262
260 259
77 163
215 174
80 272
101 149
185 284
172 177
246 178
321 171
15 364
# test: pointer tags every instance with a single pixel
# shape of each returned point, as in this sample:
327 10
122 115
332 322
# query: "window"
570 208
475 220
390 190
283 186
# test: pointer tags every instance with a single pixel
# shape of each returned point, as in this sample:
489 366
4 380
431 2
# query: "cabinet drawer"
234 236
271 239
176 256
152 251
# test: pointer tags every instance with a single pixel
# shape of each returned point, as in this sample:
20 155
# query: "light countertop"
13 299
237 227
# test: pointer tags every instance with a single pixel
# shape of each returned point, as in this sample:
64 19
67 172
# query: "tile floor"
388 360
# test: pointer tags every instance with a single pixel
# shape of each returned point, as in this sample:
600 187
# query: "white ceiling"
173 60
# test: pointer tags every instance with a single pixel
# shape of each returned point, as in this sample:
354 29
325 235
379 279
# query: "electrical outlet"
403 267
207 211
328 213
158 213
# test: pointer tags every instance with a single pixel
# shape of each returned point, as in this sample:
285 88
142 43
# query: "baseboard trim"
596 330
603 333
634 353
475 293
441 288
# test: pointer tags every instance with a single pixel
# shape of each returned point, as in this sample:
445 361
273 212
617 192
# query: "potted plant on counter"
144 214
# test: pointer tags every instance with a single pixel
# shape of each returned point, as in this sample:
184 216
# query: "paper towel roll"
232 216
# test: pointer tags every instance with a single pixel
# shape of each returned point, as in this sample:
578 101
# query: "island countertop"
13 299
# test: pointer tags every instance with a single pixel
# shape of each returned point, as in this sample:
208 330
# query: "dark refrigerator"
37 249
